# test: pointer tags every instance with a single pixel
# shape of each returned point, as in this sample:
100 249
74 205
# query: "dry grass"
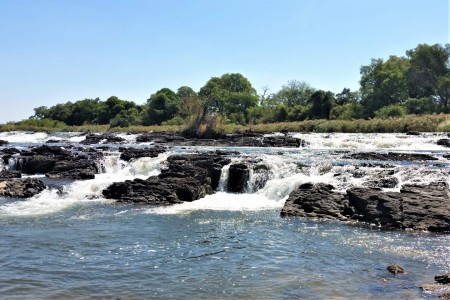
423 123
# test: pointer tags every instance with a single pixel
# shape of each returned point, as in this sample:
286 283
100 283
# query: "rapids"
69 242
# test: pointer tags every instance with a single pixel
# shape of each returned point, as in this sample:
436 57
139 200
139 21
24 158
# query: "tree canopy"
417 83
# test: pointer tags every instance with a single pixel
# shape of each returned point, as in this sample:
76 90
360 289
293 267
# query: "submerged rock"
186 178
395 269
21 188
415 207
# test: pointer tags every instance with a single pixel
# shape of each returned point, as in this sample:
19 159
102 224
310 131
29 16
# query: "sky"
57 51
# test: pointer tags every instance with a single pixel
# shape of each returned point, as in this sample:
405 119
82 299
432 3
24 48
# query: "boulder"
187 178
414 207
3 143
21 188
444 142
106 137
237 178
76 169
395 269
443 279
128 154
58 163
5 174
315 201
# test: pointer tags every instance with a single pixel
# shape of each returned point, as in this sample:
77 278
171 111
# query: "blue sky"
58 51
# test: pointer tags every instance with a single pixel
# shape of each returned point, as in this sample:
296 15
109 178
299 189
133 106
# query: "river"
68 242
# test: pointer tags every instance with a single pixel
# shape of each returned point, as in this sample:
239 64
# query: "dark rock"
282 141
261 174
393 156
415 207
413 133
97 138
443 279
128 154
58 163
385 182
444 142
240 139
3 143
186 178
237 178
21 188
5 174
55 141
74 169
315 201
395 269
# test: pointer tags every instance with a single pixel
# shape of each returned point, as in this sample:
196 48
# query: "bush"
420 106
390 111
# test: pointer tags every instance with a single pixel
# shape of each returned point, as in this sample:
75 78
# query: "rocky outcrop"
444 142
415 207
442 279
108 138
315 201
392 156
128 154
5 174
57 163
186 178
243 139
73 169
21 188
237 178
3 143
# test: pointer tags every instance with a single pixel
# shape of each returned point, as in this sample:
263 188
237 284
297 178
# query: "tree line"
417 83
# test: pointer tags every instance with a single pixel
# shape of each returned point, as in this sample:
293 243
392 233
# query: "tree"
347 97
229 94
160 107
428 65
384 83
321 104
295 93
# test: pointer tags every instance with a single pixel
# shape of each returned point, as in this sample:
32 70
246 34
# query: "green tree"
160 107
429 72
294 93
384 83
321 104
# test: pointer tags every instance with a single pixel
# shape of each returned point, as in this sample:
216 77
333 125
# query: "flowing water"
69 242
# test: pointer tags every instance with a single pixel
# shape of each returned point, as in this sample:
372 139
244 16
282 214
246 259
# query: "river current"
69 242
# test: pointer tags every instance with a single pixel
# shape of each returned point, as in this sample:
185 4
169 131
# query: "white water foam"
221 201
84 192
24 137
372 141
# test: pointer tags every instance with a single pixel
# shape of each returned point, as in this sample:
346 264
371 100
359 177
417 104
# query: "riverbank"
410 123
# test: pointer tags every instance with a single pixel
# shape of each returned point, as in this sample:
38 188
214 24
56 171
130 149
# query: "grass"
422 123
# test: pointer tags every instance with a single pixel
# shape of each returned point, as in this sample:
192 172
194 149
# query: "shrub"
391 111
